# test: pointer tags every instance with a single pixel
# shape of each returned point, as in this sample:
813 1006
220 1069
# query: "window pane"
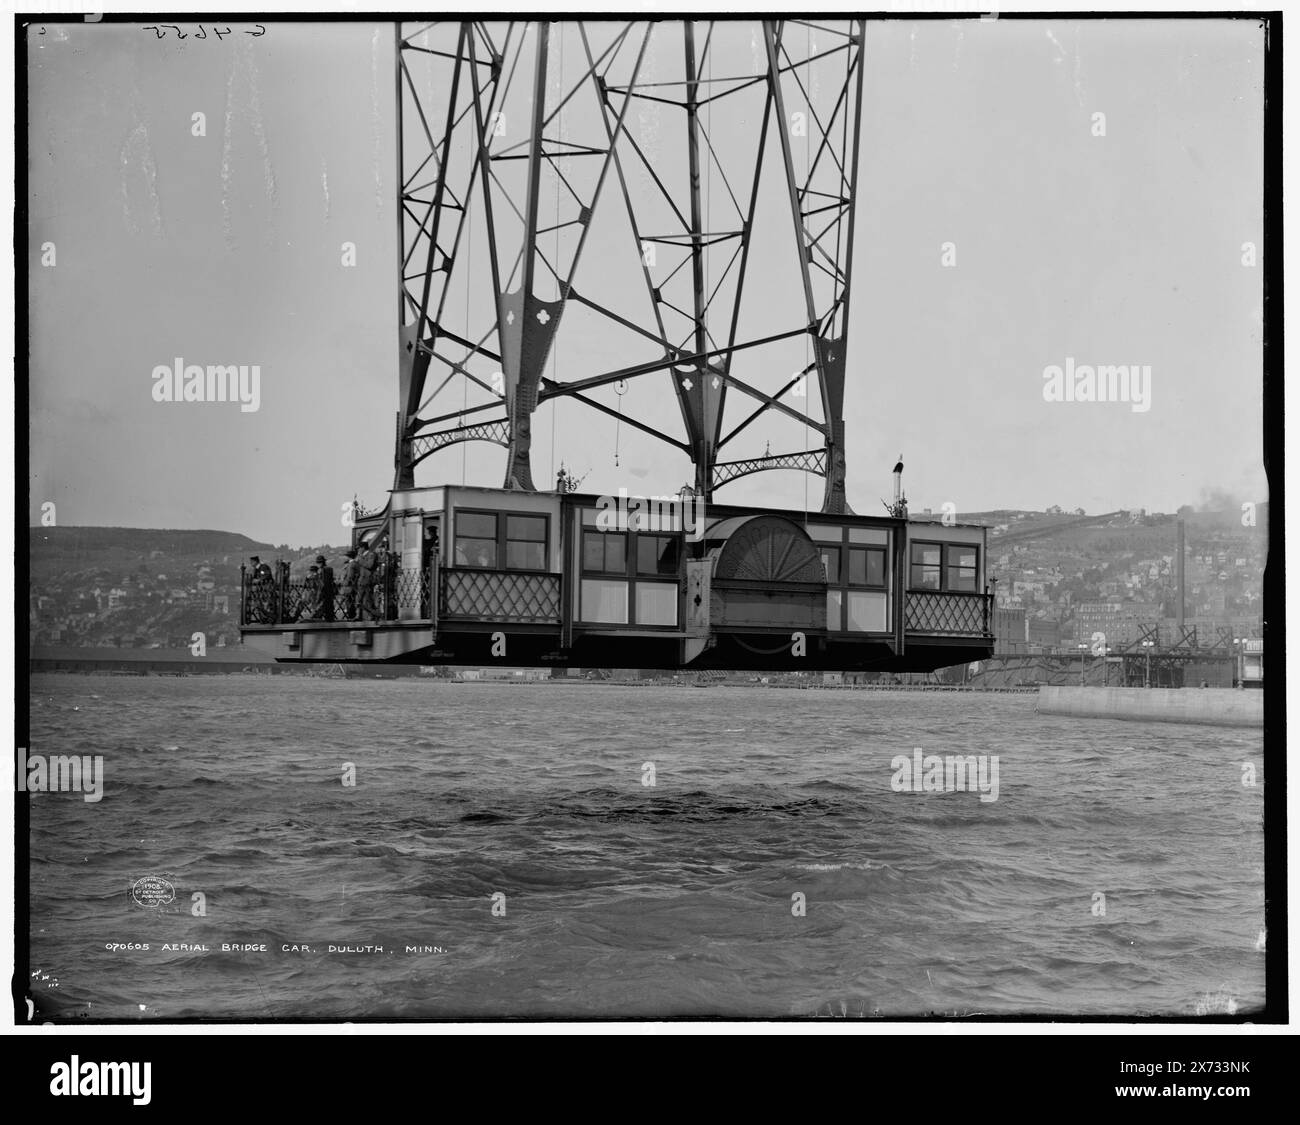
531 528
647 554
831 561
615 552
670 557
867 567
656 603
824 533
604 600
961 556
525 556
656 554
961 579
477 525
834 613
875 568
604 552
925 553
857 568
925 578
877 536
476 552
867 611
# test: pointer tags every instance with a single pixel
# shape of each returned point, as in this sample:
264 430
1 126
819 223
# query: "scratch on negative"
259 131
137 152
375 129
227 231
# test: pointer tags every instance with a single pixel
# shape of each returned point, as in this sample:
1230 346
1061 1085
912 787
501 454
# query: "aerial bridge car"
685 140
484 575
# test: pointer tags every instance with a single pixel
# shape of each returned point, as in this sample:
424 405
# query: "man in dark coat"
367 576
326 589
310 607
261 593
350 574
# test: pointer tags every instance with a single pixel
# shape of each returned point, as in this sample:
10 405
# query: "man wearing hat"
350 569
262 592
326 588
366 564
311 590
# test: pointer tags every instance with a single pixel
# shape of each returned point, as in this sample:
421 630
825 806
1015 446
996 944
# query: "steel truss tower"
511 154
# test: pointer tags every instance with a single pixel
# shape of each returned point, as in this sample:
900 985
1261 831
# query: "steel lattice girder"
809 460
458 84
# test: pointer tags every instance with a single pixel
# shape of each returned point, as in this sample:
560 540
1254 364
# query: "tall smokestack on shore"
1181 573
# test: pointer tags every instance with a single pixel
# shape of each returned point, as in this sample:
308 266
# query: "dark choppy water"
626 900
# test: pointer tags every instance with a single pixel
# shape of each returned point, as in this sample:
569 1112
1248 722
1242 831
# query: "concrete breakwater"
1214 706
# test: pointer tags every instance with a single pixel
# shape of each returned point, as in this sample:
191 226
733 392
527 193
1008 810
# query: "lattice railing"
293 603
280 601
501 595
411 590
952 614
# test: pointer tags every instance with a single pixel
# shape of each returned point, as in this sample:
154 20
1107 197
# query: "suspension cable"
807 157
464 383
555 342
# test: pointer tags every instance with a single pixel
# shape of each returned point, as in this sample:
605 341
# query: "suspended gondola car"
470 575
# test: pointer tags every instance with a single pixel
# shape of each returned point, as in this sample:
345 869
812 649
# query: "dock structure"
1192 659
1206 706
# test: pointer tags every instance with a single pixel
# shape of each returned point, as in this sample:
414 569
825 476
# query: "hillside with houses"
1061 577
121 587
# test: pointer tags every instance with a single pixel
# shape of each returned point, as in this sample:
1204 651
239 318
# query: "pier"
1208 706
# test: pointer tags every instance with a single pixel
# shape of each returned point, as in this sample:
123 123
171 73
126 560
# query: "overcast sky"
1125 248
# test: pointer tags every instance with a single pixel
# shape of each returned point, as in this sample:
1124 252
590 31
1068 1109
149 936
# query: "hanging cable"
555 342
620 389
807 161
464 383
706 225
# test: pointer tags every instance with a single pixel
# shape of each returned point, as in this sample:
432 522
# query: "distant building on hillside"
1009 630
1120 621
1043 632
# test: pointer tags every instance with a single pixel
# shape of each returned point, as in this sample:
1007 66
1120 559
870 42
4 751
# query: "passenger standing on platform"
366 563
350 569
379 588
326 589
311 591
279 589
262 592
